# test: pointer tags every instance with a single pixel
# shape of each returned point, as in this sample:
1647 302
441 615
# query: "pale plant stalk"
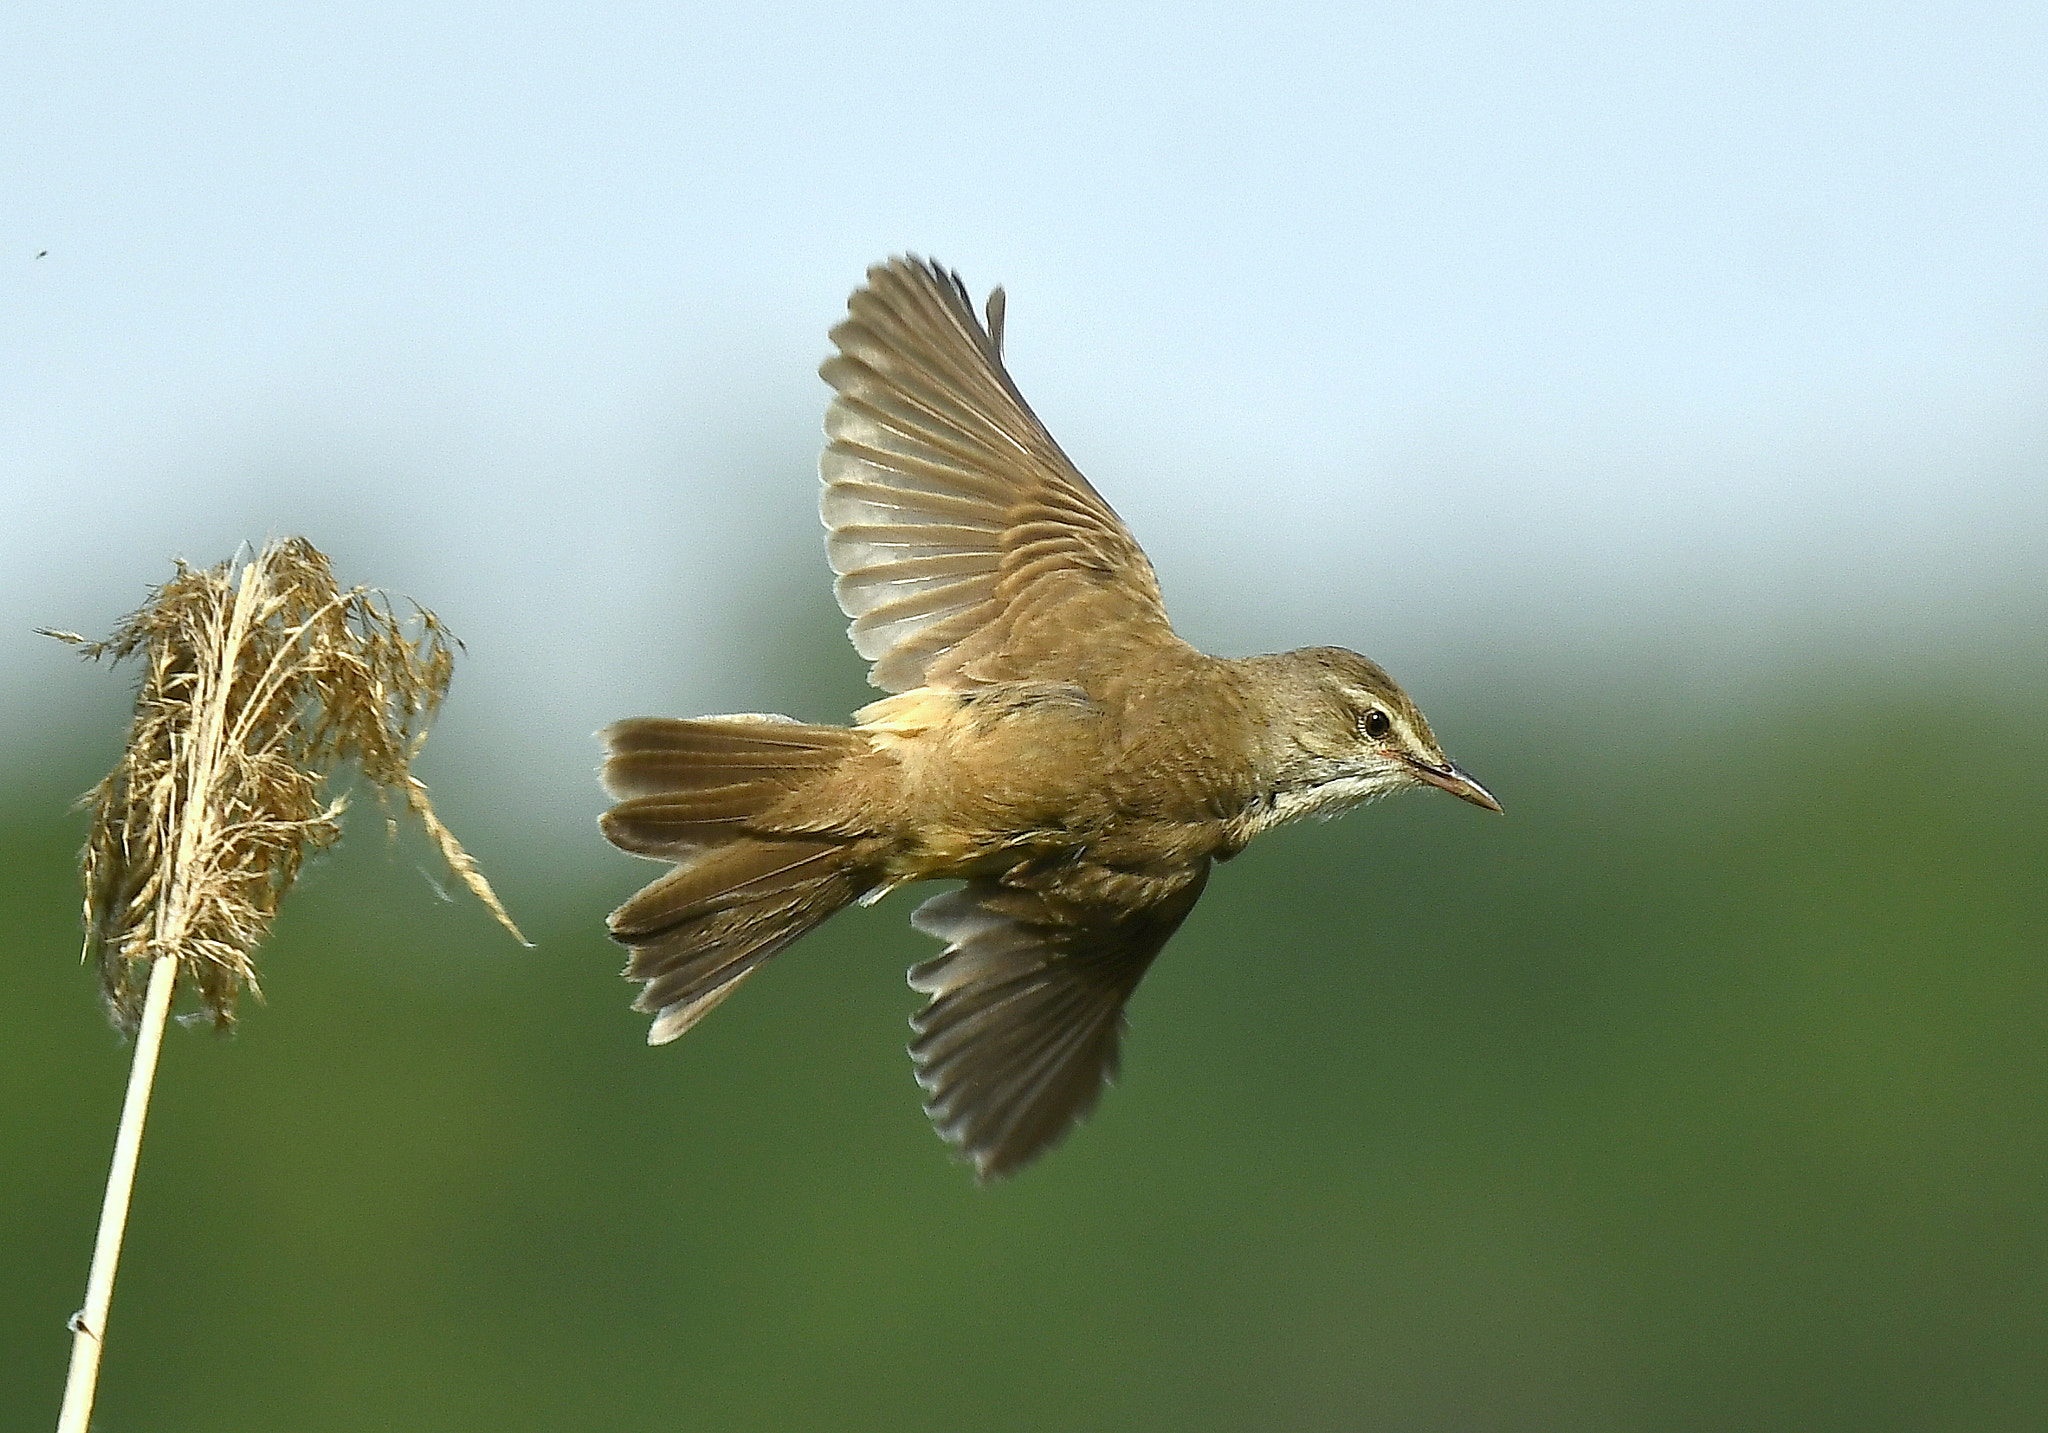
247 705
89 1324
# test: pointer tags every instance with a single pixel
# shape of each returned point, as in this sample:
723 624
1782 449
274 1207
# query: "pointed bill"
1449 777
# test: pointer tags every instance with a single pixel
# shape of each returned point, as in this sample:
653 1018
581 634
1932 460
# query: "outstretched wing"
1027 1007
969 549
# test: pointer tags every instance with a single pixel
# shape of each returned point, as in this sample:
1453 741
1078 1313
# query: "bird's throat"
1332 796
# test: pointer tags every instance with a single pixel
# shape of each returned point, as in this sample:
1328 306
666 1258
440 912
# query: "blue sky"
1462 334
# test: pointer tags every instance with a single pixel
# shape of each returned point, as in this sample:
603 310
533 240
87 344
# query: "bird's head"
1339 731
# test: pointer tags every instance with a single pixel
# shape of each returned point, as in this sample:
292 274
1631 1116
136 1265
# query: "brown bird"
1050 741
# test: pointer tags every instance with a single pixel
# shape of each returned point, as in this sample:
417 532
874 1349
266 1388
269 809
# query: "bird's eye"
1376 724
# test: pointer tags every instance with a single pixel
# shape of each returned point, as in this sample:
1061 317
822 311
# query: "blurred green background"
1656 390
1705 1090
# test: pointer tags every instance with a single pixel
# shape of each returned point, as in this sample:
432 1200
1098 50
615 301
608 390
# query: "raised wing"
969 550
1026 1016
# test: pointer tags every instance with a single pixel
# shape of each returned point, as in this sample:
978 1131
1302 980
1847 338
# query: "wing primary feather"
932 452
1025 1015
997 306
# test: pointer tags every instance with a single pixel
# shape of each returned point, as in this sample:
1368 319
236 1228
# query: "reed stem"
89 1324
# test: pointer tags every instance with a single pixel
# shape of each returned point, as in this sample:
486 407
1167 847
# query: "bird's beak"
1451 779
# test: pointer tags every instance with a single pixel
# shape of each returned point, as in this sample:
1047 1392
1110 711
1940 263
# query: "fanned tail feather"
697 792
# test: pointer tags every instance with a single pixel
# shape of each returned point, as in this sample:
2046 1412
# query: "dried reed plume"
258 685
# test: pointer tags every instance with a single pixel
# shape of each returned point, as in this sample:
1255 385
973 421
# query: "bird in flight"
1047 739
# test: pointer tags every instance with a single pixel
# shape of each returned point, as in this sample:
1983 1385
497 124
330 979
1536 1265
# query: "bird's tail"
695 792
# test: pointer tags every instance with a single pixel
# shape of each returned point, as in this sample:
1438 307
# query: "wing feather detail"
968 549
1026 1017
